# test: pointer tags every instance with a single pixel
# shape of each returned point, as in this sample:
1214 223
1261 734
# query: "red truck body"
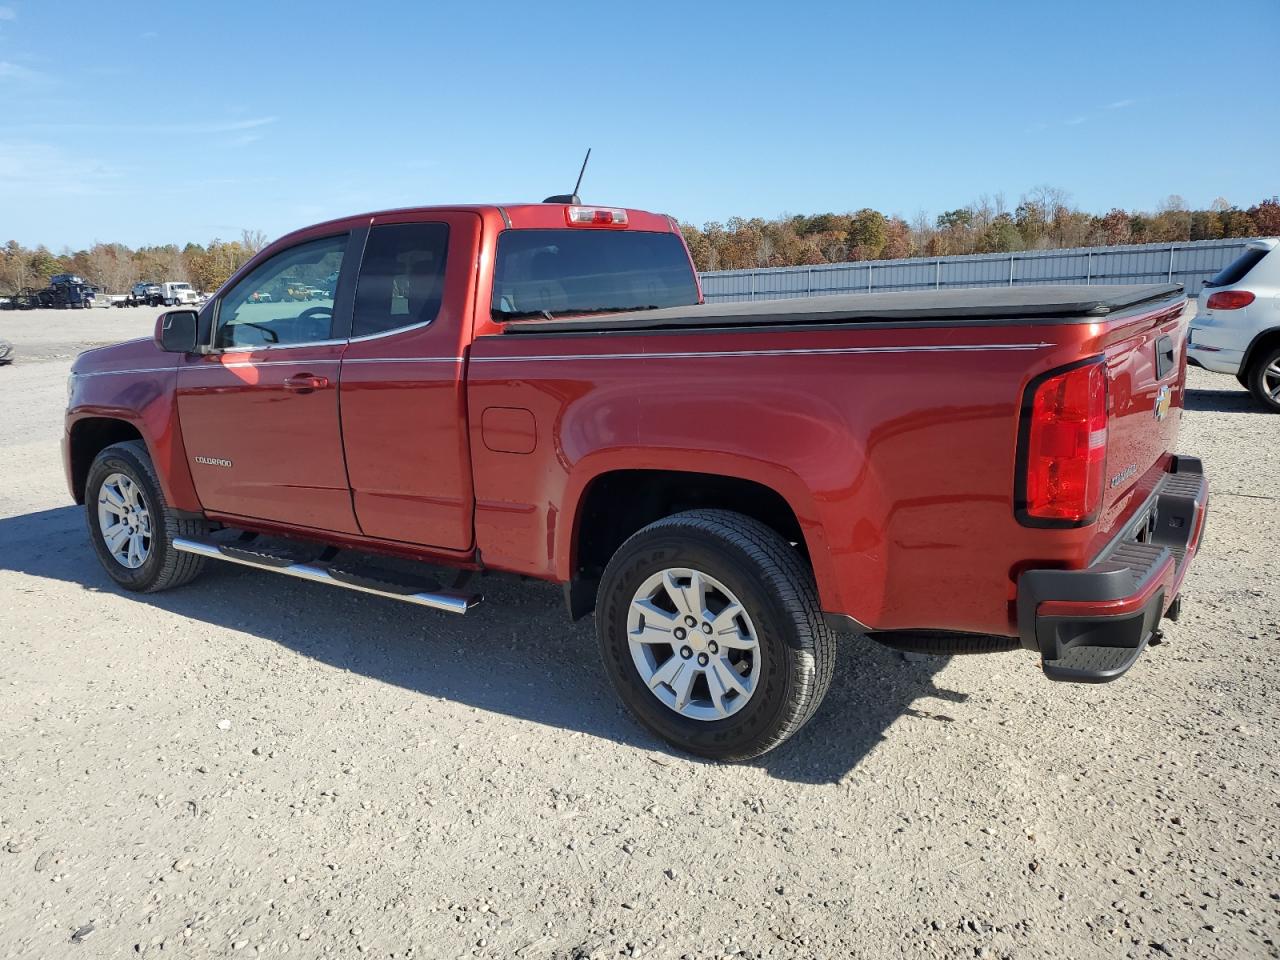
890 448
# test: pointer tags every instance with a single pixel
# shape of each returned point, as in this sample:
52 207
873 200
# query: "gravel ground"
259 765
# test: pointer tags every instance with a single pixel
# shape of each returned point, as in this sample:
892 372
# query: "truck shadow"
1222 401
516 654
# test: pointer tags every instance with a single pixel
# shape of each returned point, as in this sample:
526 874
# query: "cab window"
287 299
401 282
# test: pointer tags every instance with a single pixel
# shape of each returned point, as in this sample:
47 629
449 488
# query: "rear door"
404 422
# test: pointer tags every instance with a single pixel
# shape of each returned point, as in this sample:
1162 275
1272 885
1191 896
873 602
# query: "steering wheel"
310 312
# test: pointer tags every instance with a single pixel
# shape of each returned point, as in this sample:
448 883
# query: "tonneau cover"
1058 303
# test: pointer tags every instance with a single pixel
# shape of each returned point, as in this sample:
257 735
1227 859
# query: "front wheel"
1263 379
711 633
132 527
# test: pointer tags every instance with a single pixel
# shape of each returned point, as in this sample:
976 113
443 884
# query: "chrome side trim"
403 360
204 367
215 351
391 333
112 373
821 351
447 601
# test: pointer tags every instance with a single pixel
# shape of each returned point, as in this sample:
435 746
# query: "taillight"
1064 445
595 216
1229 300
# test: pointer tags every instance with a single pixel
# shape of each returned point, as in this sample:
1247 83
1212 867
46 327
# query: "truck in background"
67 291
175 293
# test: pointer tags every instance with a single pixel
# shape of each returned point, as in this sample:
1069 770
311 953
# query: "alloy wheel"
124 521
693 644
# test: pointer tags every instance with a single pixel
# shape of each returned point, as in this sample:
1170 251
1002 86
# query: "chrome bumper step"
448 600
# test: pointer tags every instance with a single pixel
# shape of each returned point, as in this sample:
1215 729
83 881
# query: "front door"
403 400
259 412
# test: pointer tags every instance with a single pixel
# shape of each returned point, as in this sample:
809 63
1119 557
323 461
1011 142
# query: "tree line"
116 267
1044 219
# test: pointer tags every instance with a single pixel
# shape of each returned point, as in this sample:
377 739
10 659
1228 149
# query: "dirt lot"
252 764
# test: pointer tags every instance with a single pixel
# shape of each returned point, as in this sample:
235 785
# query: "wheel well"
617 504
89 437
1264 341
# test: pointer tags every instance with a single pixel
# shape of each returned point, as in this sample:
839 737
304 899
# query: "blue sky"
152 122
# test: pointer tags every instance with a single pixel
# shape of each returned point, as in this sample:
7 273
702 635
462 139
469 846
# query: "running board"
450 601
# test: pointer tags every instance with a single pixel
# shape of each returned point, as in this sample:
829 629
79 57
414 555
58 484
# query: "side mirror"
177 331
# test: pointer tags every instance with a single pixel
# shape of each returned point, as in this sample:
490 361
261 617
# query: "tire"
163 566
787 672
1263 379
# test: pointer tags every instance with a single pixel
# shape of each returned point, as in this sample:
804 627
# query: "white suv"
1237 324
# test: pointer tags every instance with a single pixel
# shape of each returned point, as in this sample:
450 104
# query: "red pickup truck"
539 389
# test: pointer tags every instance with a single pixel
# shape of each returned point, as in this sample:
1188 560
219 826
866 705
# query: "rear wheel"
1263 379
711 632
131 526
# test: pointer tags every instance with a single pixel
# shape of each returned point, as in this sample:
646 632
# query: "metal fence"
1189 263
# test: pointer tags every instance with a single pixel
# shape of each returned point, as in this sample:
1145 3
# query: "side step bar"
450 601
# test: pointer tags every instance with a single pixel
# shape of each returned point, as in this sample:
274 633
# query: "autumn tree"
1266 217
1113 229
868 233
15 267
251 241
898 243
1001 235
1206 225
1173 221
111 266
43 266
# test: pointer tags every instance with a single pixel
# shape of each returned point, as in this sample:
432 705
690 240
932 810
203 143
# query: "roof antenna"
572 197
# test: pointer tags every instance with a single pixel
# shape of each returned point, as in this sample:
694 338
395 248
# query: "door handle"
305 383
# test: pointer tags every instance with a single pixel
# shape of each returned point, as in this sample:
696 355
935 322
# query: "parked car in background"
1236 329
144 294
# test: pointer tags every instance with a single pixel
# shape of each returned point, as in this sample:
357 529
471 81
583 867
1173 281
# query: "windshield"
561 272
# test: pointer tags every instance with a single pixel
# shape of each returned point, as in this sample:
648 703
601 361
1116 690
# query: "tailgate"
1146 373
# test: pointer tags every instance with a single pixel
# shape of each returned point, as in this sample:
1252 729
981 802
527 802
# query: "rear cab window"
401 282
562 272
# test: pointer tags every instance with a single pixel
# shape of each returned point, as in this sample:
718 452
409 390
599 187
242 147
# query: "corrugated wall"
1187 263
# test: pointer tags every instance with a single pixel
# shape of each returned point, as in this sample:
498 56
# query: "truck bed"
1060 303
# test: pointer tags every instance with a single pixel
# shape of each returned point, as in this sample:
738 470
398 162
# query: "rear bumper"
1214 349
1091 625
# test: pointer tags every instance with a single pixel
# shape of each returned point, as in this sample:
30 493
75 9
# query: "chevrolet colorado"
538 389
